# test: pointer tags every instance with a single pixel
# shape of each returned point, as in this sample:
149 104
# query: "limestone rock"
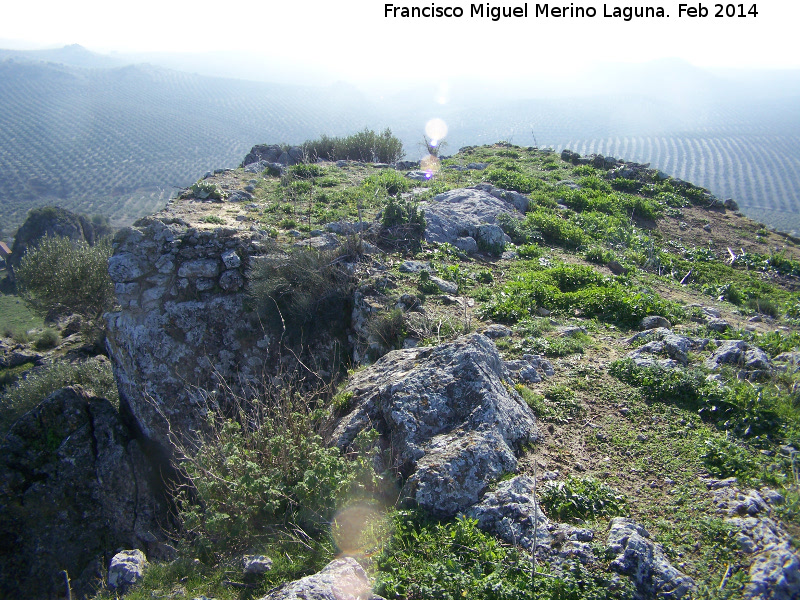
341 579
645 562
740 354
74 486
451 422
126 568
664 343
654 322
774 575
463 213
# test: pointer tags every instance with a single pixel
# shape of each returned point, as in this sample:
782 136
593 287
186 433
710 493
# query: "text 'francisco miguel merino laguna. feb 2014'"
571 11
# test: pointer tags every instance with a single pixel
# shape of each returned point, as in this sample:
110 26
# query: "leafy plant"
456 560
261 470
581 498
365 146
205 190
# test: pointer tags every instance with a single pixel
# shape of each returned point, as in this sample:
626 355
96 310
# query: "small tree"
62 277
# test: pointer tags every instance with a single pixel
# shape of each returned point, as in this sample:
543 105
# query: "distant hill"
119 141
93 134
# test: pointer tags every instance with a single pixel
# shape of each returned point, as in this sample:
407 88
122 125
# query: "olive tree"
60 277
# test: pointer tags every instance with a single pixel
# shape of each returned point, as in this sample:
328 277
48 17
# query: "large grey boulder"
341 579
451 422
466 213
644 561
74 487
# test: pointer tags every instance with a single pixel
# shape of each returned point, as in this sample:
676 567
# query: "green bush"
556 230
49 338
425 285
567 288
513 180
757 412
61 277
389 180
724 458
265 469
581 498
305 171
95 375
365 146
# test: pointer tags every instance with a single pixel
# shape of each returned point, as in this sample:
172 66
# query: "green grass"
16 317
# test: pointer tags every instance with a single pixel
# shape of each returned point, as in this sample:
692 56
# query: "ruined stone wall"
183 326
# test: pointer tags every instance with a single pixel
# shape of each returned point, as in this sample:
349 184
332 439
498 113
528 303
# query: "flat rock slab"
450 420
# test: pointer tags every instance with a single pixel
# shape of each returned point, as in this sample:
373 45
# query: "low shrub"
205 190
264 469
18 398
555 230
513 180
568 288
389 181
388 330
581 498
455 560
49 338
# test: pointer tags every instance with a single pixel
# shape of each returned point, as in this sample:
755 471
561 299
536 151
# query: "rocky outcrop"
661 342
644 561
775 570
452 424
467 219
342 579
512 512
74 485
752 360
126 568
53 221
273 154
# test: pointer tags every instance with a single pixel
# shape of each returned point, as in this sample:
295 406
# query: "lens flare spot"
430 164
360 530
436 129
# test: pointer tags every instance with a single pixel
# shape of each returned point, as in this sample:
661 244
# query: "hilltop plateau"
507 373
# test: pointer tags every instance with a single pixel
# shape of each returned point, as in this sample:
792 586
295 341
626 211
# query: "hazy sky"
354 40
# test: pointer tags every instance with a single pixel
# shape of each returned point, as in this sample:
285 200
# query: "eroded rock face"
74 487
451 422
341 579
